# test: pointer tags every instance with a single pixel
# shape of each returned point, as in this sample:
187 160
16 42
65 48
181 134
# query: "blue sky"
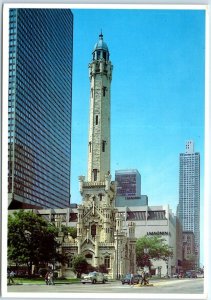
157 93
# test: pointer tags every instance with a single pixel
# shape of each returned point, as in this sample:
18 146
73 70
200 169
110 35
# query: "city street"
171 286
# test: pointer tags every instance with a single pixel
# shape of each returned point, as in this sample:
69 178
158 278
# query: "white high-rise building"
189 193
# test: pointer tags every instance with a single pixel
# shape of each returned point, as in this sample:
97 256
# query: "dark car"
127 278
190 274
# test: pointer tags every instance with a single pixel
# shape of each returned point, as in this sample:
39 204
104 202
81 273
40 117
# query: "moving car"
126 279
94 277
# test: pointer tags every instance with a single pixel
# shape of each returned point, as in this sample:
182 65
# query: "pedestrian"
46 278
144 279
10 276
131 278
50 278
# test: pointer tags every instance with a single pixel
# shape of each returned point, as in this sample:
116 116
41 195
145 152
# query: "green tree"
31 240
79 265
102 268
71 230
156 249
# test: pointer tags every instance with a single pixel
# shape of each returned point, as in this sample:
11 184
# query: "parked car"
126 279
190 274
200 275
94 277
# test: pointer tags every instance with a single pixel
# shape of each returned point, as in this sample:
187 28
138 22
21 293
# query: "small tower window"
104 55
103 145
90 147
96 120
93 230
104 91
92 92
95 174
98 54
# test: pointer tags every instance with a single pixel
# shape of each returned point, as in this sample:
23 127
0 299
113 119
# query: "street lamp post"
167 267
146 251
159 271
117 258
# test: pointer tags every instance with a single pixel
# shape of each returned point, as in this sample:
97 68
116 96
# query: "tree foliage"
79 265
157 249
102 268
71 230
31 239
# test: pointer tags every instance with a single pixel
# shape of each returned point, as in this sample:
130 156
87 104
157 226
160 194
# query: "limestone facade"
100 235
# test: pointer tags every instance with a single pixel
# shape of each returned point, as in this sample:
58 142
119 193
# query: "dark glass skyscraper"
128 182
40 106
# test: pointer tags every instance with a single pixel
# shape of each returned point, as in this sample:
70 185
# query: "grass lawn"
41 280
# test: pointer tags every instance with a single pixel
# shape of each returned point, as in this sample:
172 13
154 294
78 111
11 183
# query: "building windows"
93 230
104 91
96 120
95 174
70 261
104 55
41 117
107 262
90 147
103 145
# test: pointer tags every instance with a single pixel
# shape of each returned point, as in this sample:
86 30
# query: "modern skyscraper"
189 193
40 106
128 183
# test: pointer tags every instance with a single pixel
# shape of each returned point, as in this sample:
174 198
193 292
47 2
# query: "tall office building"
40 106
128 182
189 193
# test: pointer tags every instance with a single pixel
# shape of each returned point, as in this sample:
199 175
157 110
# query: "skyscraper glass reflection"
40 106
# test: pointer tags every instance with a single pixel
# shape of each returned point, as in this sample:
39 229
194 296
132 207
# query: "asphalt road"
167 286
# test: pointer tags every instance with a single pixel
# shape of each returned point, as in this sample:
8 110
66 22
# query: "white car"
93 277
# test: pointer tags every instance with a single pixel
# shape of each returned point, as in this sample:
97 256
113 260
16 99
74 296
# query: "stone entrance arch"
89 255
